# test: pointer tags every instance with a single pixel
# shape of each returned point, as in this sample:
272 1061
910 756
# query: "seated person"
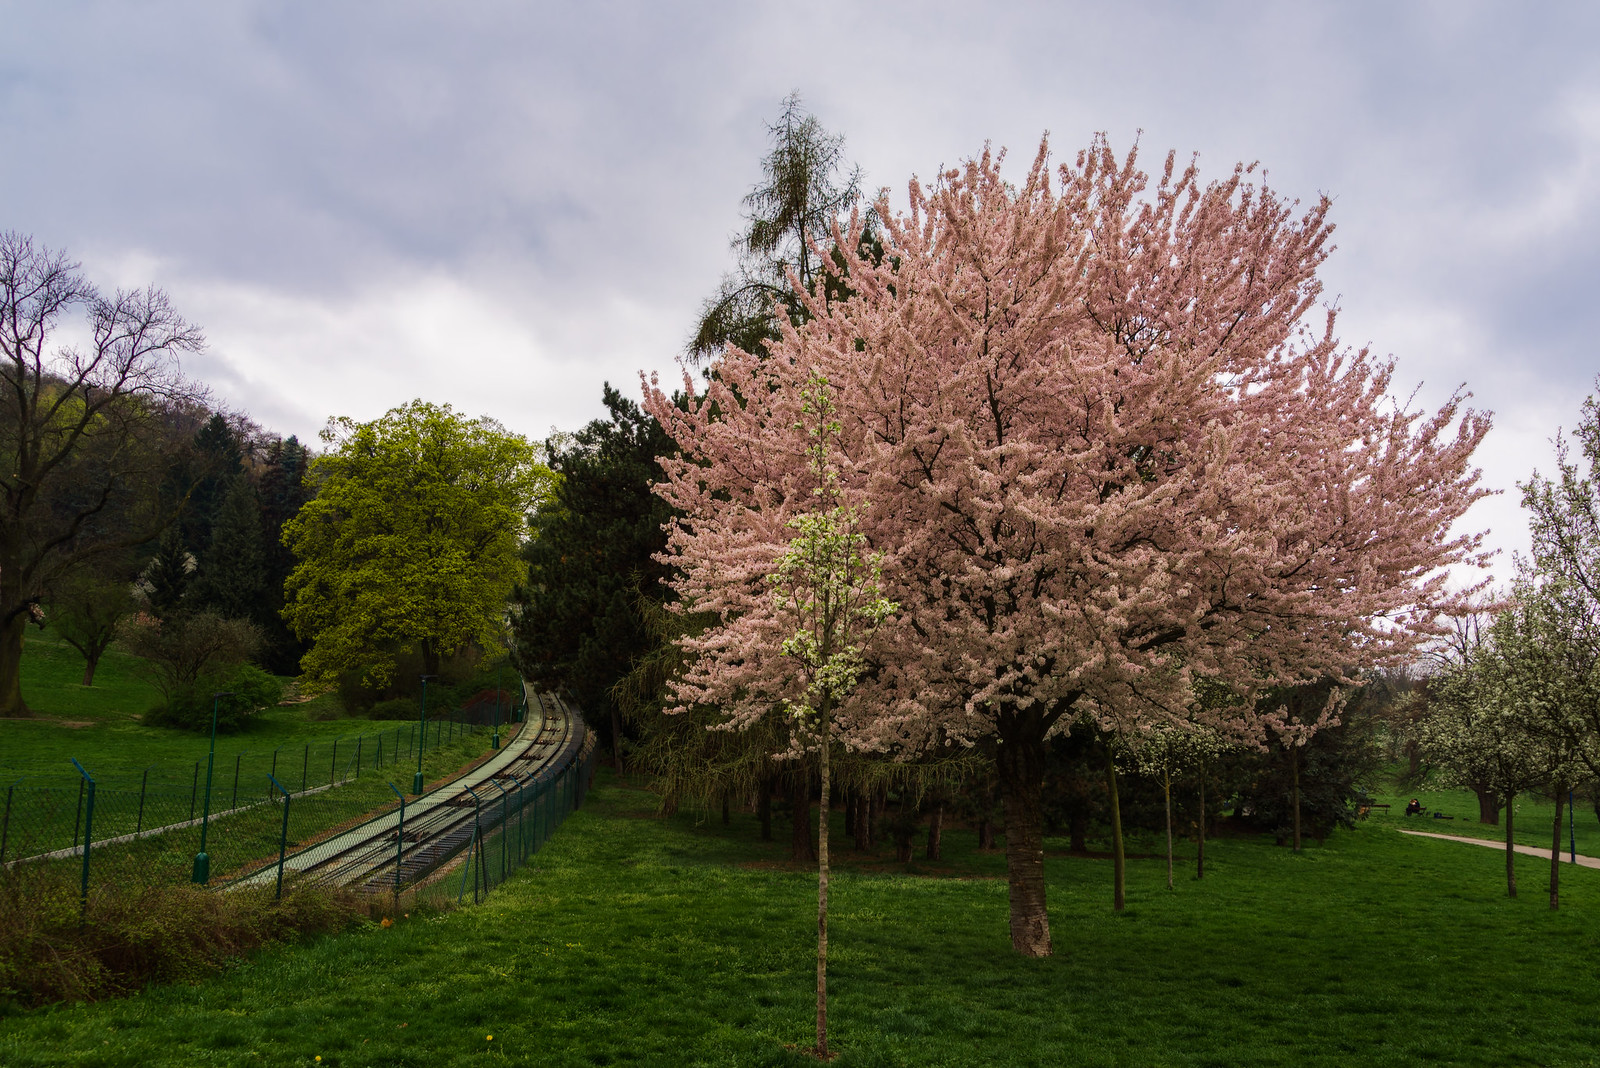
1414 808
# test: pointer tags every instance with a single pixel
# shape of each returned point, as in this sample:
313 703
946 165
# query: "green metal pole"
202 862
144 783
416 783
494 739
88 839
399 843
283 836
77 820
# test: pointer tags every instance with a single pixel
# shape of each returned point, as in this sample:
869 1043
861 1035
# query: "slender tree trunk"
877 805
1488 806
616 747
801 849
1555 858
822 895
985 834
935 832
1295 751
905 829
1511 853
1166 788
1020 761
1200 844
1118 861
11 703
1078 830
764 806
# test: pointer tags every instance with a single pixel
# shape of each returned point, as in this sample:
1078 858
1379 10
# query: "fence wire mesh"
326 810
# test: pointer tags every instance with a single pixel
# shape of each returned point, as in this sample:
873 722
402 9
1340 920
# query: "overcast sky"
502 205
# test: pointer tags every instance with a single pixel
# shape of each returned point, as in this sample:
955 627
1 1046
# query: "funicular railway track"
441 824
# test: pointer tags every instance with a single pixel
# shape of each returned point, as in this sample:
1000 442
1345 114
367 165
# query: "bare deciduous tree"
82 437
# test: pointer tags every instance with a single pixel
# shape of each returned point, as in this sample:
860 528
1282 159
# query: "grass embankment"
101 726
636 940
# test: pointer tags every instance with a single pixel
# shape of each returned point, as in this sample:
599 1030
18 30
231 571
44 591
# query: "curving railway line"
512 791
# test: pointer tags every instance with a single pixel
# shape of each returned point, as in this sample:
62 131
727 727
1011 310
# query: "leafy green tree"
86 608
577 623
412 540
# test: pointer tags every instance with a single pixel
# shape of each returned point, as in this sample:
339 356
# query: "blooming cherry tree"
1104 453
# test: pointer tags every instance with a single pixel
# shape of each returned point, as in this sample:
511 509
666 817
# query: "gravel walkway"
1532 851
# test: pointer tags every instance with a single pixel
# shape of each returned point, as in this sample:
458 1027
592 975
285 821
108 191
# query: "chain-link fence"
211 821
513 820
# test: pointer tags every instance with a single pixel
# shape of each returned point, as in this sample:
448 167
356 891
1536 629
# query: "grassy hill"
639 940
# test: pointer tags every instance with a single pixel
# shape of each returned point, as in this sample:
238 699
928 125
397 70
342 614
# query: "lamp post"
202 862
422 740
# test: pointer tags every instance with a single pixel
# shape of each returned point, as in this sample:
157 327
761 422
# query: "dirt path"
1528 850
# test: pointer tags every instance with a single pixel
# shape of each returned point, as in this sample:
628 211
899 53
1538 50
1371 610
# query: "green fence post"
88 839
77 821
283 836
399 843
138 824
505 824
333 765
273 774
235 802
377 758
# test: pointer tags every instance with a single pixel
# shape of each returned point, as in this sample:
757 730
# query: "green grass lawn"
638 940
1534 816
100 725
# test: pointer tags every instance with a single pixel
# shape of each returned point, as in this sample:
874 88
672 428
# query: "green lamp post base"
494 740
416 783
202 869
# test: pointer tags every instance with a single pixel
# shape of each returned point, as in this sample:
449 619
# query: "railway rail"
403 846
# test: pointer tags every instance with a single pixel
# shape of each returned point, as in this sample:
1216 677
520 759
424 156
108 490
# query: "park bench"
1364 808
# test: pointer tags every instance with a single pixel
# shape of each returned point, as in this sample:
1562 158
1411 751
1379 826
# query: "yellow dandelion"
488 1038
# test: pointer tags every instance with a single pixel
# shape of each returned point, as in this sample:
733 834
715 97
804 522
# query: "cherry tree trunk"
1555 858
1488 806
1119 862
822 896
1166 789
1511 853
1020 761
935 833
1295 752
11 703
985 834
